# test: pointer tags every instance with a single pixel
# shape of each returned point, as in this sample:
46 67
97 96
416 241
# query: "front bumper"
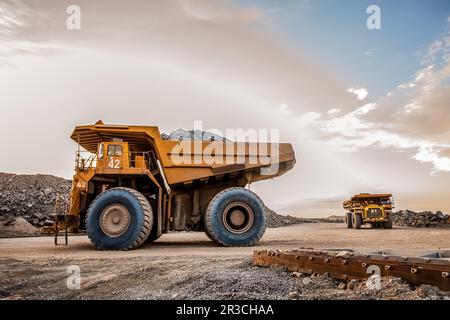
380 219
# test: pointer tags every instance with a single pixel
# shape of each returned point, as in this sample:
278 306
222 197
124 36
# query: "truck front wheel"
235 217
209 235
356 221
119 219
348 220
389 223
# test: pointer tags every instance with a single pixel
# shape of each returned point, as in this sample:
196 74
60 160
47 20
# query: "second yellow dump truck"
134 186
373 209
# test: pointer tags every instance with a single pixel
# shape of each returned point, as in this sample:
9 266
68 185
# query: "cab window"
114 150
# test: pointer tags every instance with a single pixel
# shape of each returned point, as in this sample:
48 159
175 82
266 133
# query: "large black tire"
235 217
153 233
132 207
356 221
209 235
389 223
152 237
348 220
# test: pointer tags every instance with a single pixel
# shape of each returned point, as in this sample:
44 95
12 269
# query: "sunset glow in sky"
366 110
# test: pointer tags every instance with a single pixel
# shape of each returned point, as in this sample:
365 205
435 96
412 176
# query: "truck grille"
374 213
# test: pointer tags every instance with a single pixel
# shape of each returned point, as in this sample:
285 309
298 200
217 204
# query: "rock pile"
391 288
31 197
275 220
16 227
188 135
420 219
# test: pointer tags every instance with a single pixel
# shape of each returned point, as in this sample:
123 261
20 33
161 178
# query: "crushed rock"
275 220
410 218
31 197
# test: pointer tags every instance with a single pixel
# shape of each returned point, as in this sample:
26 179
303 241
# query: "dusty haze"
170 63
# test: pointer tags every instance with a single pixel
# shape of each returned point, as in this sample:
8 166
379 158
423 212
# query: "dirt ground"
190 266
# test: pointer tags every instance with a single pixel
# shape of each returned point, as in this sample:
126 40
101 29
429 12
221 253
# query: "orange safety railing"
85 160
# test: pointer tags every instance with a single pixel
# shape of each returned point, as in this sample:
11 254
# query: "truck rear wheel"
119 219
152 238
348 220
208 235
356 221
389 223
235 217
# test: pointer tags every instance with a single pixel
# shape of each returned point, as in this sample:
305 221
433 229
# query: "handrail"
85 160
84 163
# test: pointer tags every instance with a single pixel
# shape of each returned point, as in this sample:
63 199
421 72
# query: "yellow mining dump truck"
135 186
374 209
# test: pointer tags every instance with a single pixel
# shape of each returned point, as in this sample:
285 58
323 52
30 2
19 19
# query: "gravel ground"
226 279
189 266
246 282
243 281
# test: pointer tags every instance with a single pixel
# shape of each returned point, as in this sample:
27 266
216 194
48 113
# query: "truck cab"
117 155
112 155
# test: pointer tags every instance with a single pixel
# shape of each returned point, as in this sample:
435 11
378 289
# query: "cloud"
360 93
419 109
334 111
428 153
307 119
27 47
283 110
17 16
349 133
347 126
414 116
12 17
215 40
445 152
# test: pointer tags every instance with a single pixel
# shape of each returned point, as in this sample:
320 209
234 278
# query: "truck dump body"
248 157
133 186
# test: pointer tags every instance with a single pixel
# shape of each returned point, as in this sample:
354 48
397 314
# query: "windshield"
114 150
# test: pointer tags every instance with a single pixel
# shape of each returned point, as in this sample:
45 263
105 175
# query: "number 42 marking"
114 163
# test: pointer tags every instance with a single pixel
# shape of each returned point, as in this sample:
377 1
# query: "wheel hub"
115 220
238 217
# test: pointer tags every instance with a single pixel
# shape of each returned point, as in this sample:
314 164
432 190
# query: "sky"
365 110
